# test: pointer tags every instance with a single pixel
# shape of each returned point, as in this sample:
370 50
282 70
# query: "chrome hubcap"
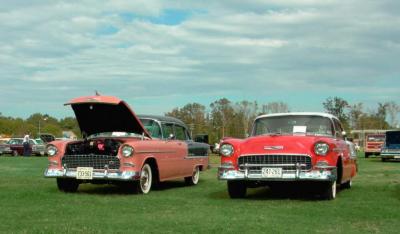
334 189
195 176
145 179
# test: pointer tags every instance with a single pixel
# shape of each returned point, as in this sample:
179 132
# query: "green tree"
337 107
275 107
194 115
246 112
355 112
221 117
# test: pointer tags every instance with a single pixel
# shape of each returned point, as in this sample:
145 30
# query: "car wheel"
146 179
67 185
237 189
347 185
15 153
194 179
329 192
366 155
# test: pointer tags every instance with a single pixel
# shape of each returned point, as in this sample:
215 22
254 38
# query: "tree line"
224 118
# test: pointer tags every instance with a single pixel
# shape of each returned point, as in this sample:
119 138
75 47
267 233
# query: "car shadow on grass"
125 189
266 193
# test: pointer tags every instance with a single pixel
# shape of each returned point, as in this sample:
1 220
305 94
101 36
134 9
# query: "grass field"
32 204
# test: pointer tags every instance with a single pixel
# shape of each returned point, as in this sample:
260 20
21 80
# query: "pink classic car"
122 148
289 149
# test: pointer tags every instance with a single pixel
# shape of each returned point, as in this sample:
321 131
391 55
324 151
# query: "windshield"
39 141
115 134
393 138
305 124
15 142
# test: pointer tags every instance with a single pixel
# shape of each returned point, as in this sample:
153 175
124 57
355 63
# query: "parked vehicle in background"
16 146
373 143
289 149
38 147
47 137
391 147
120 148
4 147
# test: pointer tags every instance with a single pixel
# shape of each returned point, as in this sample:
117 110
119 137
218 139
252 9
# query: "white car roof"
300 114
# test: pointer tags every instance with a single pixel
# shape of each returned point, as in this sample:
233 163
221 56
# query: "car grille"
91 160
276 160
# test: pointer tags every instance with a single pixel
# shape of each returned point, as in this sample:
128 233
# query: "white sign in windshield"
299 129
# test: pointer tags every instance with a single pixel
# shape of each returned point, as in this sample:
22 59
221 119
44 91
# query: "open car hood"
96 114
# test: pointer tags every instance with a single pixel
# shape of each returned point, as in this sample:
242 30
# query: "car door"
182 136
177 150
196 151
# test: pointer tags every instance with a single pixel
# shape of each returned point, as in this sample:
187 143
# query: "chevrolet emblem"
274 147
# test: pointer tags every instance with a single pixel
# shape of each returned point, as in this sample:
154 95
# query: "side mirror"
171 136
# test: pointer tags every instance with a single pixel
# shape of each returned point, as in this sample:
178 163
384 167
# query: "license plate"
271 172
84 173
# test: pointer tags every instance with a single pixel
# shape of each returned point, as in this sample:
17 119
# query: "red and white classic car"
120 147
287 149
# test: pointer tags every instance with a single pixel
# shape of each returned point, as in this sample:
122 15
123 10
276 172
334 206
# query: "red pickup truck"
373 144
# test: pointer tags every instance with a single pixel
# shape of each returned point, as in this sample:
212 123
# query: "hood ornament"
274 147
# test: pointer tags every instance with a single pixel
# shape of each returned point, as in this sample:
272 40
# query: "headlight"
321 148
226 150
51 150
127 151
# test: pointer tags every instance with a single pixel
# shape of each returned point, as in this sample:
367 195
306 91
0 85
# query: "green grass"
32 204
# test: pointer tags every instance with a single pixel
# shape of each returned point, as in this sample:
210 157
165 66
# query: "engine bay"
94 146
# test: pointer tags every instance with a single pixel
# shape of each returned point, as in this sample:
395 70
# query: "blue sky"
158 55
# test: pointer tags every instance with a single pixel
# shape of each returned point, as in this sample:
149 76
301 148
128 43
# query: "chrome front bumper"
324 173
97 174
391 155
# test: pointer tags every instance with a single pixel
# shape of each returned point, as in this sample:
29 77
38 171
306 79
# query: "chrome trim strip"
274 154
194 157
153 152
272 165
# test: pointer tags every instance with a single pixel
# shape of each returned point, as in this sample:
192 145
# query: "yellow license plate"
84 173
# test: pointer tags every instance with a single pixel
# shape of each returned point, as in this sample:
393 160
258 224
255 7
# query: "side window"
156 131
188 136
180 133
168 129
338 129
31 142
152 127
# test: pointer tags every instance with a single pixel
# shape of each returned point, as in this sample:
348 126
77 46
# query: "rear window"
393 138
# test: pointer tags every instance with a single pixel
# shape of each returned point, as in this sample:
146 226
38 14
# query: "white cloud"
252 49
